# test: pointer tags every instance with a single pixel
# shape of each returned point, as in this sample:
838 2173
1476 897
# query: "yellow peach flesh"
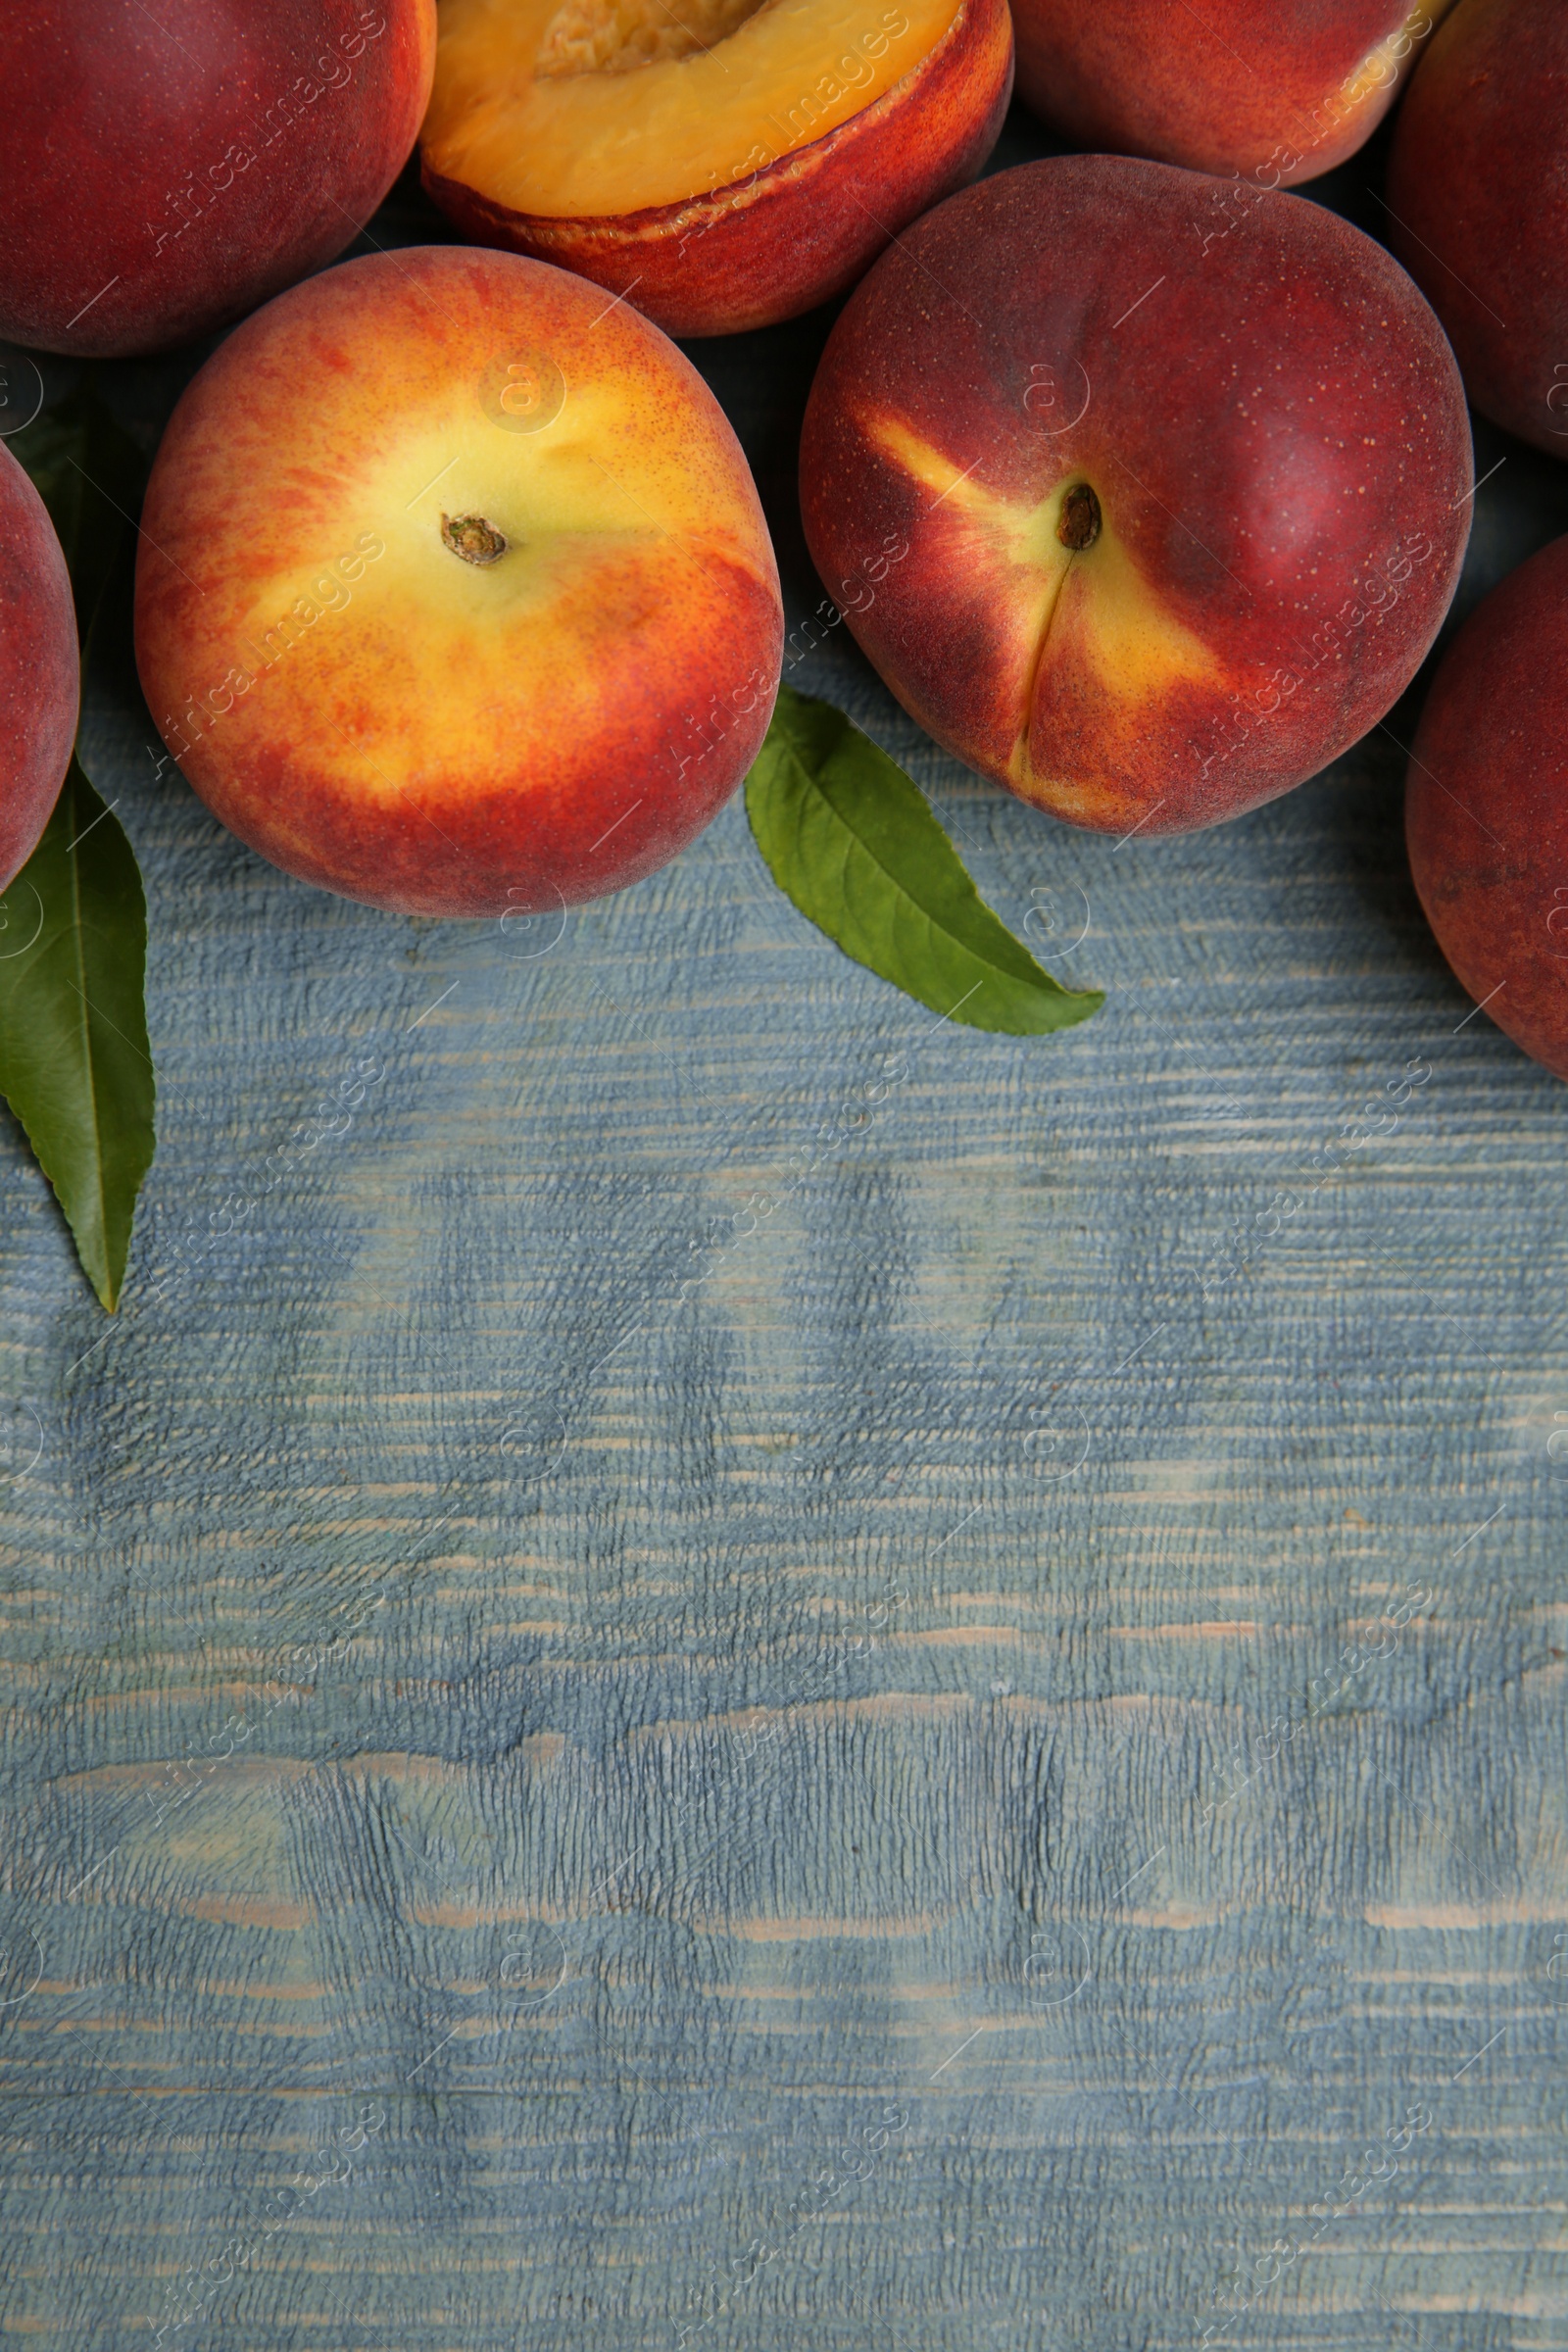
575 109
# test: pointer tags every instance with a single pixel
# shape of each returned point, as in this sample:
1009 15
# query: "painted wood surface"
718 1680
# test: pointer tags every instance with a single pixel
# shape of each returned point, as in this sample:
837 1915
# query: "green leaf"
74 1062
851 839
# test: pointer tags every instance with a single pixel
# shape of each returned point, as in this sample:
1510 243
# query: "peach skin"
168 168
1478 199
1289 90
40 668
454 593
725 171
1180 529
1486 806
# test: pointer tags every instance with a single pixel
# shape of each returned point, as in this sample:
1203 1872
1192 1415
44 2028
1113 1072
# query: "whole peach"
1146 531
1478 200
1284 91
168 168
500 630
1487 806
40 668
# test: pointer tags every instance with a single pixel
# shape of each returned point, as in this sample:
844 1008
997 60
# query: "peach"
1180 527
1289 90
724 165
494 624
168 168
1478 197
1487 806
40 668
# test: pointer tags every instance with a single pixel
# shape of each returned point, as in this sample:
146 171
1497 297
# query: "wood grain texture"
659 1669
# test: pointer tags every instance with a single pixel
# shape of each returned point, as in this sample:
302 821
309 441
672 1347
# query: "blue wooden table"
752 1671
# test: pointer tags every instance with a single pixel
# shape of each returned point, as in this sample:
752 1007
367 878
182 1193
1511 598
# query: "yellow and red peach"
723 170
1287 91
168 168
492 623
40 668
1179 530
1487 806
1478 198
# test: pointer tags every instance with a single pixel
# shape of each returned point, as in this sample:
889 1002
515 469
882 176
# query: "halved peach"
721 164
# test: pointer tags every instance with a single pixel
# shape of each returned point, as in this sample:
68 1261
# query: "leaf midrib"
82 483
80 931
1051 987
